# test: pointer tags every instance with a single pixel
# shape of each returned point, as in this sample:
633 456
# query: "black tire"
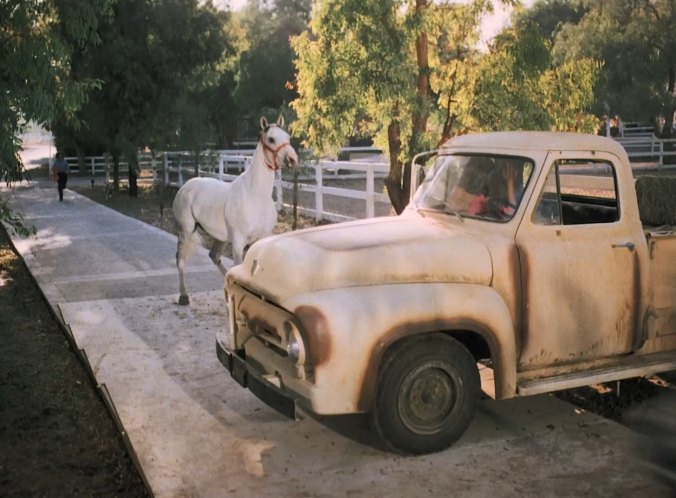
426 394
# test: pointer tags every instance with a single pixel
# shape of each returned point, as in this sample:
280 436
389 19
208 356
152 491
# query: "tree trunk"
449 121
672 80
421 110
133 181
398 181
116 171
421 113
134 170
395 189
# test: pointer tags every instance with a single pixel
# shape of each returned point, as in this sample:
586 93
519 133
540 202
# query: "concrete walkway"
197 433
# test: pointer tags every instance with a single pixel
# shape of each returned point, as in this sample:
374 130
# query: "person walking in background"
60 170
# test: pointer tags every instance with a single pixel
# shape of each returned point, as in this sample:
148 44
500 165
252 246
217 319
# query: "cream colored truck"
522 250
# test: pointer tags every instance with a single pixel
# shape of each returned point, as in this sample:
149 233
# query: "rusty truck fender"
346 348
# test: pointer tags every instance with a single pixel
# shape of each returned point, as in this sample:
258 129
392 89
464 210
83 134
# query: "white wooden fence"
170 162
647 148
364 170
173 169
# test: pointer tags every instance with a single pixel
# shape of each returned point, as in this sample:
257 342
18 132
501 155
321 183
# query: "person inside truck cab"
489 187
473 182
504 188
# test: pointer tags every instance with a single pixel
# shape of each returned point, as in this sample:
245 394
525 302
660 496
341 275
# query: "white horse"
238 213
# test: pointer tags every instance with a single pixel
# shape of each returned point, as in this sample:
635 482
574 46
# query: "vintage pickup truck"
528 252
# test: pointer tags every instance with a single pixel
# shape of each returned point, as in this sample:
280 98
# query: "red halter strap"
274 166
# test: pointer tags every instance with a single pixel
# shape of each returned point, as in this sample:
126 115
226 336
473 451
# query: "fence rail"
648 148
173 169
367 170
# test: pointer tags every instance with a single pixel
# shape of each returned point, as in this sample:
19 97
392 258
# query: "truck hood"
388 250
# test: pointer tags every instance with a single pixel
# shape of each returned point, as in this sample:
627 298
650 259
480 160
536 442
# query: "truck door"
579 269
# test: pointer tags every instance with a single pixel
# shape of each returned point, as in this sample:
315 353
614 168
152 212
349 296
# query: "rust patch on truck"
315 330
412 328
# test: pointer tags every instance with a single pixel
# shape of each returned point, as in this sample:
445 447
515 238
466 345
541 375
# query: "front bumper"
264 390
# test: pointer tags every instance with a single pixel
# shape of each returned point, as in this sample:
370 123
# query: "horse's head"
277 149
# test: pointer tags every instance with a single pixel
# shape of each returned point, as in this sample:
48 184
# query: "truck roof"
536 140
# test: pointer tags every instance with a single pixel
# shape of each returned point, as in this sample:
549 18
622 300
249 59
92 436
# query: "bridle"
274 165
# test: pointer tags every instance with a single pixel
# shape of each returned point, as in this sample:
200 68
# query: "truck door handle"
627 245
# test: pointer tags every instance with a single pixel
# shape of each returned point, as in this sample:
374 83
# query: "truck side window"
578 192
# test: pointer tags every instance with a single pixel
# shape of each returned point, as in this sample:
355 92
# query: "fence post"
107 168
91 162
370 209
220 167
661 161
165 165
180 172
319 194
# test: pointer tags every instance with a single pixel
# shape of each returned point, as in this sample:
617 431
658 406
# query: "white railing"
173 169
178 167
648 148
634 129
369 171
165 162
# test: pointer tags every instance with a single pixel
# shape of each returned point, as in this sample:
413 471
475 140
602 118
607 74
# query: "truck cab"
524 251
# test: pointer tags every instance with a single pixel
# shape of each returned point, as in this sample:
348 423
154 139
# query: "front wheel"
426 394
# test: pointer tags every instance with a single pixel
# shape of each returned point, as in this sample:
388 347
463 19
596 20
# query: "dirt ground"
56 435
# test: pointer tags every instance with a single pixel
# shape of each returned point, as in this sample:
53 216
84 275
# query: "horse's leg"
238 243
181 254
215 255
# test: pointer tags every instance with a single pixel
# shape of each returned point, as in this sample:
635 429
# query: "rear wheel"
426 394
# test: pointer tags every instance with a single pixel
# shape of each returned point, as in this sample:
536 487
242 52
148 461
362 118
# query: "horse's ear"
264 123
280 121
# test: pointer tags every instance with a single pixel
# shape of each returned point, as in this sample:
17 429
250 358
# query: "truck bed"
662 320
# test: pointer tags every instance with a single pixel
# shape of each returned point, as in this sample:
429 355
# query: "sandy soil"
57 437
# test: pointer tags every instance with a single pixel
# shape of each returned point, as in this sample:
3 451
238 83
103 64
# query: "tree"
36 45
516 86
265 72
157 62
634 39
370 67
551 15
453 57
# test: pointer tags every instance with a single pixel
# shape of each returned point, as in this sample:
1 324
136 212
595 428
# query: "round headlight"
293 349
294 344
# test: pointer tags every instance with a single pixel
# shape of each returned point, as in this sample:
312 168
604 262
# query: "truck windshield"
476 186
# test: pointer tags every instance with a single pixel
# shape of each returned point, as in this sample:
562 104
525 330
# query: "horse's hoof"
183 300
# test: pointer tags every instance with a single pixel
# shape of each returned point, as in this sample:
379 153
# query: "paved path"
197 433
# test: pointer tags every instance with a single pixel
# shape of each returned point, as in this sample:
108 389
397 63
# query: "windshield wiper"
443 207
448 210
457 215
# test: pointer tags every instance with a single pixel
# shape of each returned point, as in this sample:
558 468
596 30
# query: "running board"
634 367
